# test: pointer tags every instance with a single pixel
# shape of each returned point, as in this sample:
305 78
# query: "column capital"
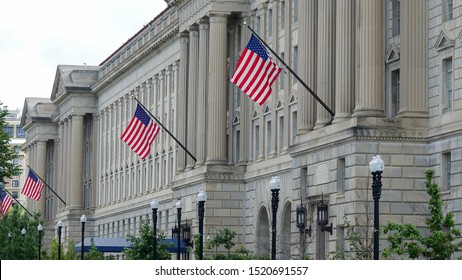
203 23
184 37
194 30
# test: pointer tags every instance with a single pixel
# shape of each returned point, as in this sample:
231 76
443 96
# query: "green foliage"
361 245
69 255
223 237
439 244
7 153
142 245
19 247
93 253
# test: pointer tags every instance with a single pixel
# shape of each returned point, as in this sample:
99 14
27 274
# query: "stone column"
192 93
344 60
369 101
40 166
307 52
76 162
60 167
414 59
216 102
246 102
202 90
181 101
326 67
68 147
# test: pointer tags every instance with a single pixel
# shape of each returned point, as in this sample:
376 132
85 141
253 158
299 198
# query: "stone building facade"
389 70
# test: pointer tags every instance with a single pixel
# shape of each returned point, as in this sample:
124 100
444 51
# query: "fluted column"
76 162
60 165
192 92
40 165
246 103
344 59
202 90
181 100
216 102
413 59
307 50
369 100
68 147
326 52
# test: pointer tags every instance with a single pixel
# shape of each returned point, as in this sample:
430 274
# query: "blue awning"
117 245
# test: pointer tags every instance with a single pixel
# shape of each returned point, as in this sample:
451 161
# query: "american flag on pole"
255 71
140 132
33 186
5 202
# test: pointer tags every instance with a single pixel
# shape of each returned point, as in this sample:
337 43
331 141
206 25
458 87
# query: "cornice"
137 58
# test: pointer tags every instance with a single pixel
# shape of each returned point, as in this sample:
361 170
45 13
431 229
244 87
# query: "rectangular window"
280 133
447 83
295 10
294 63
15 194
446 172
293 133
237 142
15 183
283 15
341 176
395 101
395 17
9 129
270 22
448 10
268 138
20 133
256 144
281 77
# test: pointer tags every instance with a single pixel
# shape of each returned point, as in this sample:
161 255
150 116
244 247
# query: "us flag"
33 186
5 202
255 71
140 132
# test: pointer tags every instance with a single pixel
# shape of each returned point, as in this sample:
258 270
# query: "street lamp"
40 228
178 210
274 187
186 235
154 206
323 217
23 232
83 220
376 167
201 199
301 218
60 226
9 236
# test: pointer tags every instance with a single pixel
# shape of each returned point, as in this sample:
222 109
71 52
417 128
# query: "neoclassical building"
387 69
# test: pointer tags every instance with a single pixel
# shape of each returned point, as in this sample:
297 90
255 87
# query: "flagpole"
293 73
169 133
47 185
16 201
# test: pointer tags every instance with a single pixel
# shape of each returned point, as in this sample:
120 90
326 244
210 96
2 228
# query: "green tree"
93 254
7 153
441 241
223 237
361 244
14 245
141 248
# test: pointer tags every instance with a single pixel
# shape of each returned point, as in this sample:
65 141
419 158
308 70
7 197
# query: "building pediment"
37 109
392 53
445 40
72 78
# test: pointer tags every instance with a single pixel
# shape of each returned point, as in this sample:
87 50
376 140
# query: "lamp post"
60 226
23 232
9 237
178 210
201 199
83 220
274 186
376 167
39 228
154 206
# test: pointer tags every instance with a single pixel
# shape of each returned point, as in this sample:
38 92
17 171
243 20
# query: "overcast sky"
38 35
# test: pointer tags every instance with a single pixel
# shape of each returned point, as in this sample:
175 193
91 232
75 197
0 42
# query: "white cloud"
36 36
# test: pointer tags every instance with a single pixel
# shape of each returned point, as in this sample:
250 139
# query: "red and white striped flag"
33 186
255 71
5 202
140 132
